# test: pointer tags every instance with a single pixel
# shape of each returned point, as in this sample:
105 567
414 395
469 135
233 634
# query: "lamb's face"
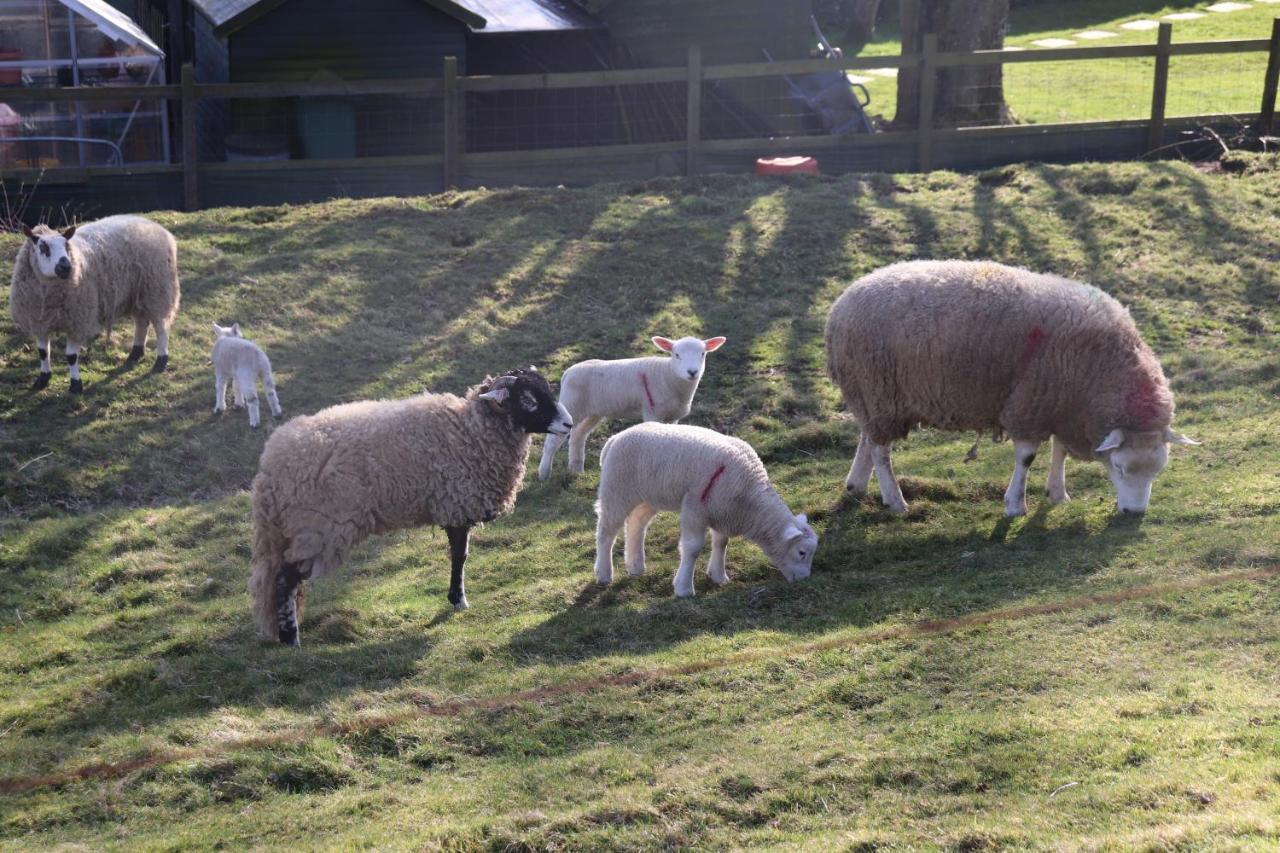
688 355
528 399
796 561
1133 459
50 252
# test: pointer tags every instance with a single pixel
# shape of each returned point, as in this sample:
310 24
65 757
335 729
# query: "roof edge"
258 10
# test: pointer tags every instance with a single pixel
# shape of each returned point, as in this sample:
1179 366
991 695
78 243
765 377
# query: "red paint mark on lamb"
644 380
706 493
1147 404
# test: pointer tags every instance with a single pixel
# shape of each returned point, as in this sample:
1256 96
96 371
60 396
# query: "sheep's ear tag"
1114 439
663 344
1178 438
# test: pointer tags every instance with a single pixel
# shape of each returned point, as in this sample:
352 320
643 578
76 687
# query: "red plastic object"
786 166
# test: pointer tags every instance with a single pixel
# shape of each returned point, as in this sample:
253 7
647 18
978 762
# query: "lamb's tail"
269 565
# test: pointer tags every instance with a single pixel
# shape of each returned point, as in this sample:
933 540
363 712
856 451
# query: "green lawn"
1094 90
1110 723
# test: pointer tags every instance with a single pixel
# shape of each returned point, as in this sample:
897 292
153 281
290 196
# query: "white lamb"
714 481
655 388
239 360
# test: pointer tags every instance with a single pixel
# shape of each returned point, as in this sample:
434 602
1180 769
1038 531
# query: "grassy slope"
123 557
1115 88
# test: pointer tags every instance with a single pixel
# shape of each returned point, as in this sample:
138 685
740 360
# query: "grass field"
829 714
1096 90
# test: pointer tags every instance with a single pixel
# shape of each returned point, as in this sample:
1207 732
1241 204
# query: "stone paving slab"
1228 7
1053 42
1093 35
1144 24
1191 16
883 72
854 78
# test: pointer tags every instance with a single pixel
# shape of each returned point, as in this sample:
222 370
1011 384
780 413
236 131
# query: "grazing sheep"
118 266
241 361
714 481
655 388
965 345
327 481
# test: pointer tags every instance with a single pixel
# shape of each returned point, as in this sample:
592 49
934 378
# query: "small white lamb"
237 359
714 481
654 388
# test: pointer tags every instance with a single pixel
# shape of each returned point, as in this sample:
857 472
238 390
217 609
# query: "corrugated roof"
484 16
523 16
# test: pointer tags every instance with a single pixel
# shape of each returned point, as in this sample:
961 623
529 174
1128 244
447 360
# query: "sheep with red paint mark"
714 481
969 345
653 388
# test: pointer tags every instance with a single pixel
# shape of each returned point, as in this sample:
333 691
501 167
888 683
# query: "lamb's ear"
663 344
1178 438
235 330
1114 439
217 330
714 344
69 233
792 533
26 229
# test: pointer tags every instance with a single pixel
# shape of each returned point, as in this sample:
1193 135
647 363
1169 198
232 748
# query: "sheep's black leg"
46 373
135 354
458 537
287 603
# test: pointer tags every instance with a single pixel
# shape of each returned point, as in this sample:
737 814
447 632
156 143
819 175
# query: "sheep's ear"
792 533
235 330
1178 438
714 344
217 330
663 344
26 229
496 397
69 233
1114 439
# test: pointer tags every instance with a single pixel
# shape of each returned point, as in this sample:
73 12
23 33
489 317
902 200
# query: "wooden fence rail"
453 88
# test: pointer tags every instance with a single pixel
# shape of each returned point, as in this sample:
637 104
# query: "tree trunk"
964 95
860 24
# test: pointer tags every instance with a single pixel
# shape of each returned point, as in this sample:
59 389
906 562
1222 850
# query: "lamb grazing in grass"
118 266
654 388
241 361
980 346
714 481
327 481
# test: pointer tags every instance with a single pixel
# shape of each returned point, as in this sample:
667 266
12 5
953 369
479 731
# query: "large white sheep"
652 388
120 266
239 360
965 345
712 480
329 480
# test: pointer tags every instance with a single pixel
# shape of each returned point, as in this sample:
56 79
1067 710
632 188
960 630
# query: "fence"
472 130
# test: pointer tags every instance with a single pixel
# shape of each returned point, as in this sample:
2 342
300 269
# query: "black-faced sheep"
327 481
964 345
652 388
120 266
712 480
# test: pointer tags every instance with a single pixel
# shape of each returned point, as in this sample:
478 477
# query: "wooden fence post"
924 121
190 142
1160 88
1267 123
452 120
693 117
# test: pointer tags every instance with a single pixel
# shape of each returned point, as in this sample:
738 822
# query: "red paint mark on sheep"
644 380
706 493
1145 404
1035 341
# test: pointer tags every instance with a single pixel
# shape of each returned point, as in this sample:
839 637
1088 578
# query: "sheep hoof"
42 381
77 387
162 361
135 354
461 604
